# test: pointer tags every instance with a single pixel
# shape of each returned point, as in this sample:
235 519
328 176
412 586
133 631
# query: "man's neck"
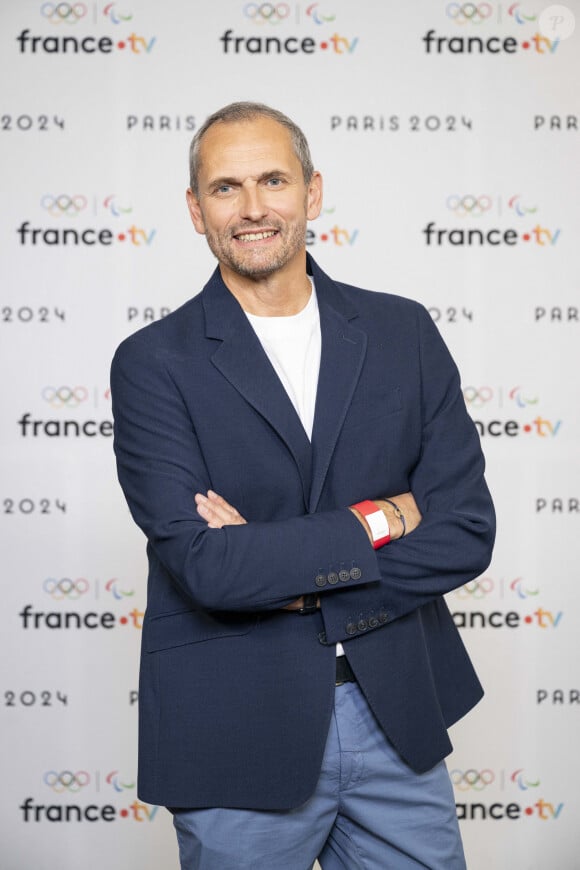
281 294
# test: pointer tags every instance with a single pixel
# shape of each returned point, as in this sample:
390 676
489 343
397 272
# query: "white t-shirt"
293 346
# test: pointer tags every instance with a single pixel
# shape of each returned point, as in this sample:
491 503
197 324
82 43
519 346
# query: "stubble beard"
256 263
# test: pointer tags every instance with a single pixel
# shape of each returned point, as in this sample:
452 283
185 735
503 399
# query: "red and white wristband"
377 521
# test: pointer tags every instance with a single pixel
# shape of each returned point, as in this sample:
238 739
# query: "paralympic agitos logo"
273 20
68 24
76 210
479 18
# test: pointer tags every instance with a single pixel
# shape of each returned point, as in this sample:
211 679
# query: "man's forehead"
245 140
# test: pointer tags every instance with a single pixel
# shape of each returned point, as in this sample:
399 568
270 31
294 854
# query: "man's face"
252 202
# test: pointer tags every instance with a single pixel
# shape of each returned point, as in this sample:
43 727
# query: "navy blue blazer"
235 694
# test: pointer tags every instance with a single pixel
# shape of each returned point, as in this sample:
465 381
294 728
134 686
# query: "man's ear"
195 211
314 196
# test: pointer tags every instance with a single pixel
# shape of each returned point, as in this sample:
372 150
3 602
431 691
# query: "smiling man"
250 198
298 454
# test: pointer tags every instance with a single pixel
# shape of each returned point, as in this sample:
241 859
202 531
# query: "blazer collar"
343 353
242 360
223 311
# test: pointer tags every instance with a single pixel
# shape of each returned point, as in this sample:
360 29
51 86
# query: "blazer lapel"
243 362
343 354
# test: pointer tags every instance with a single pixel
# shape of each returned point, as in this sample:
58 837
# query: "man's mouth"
256 236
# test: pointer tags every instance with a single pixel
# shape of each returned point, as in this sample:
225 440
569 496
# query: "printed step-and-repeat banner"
447 134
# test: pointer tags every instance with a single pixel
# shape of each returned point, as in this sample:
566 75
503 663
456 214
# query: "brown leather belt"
344 673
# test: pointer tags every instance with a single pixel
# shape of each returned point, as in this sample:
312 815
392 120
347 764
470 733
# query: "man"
298 453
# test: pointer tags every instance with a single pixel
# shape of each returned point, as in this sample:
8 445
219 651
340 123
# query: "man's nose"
252 205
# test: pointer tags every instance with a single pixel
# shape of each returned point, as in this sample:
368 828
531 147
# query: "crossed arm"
161 464
217 512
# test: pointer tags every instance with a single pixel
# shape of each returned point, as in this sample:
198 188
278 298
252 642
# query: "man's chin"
248 268
256 273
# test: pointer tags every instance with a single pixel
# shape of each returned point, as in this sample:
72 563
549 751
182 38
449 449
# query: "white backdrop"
447 135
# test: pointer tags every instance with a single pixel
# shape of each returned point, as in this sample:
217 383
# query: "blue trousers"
369 811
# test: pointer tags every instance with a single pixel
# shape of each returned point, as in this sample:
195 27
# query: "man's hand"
216 511
408 507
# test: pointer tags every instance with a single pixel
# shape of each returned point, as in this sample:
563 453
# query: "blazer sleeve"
257 566
454 541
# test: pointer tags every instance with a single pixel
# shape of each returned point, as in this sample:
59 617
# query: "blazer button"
344 575
362 625
373 622
383 616
333 578
321 580
351 628
355 573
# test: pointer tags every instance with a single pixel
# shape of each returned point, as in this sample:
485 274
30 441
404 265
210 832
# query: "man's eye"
223 188
274 182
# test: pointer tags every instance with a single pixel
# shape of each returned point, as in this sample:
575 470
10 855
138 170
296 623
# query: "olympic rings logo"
476 589
59 12
474 780
58 397
66 780
66 588
261 13
477 396
474 206
464 12
63 204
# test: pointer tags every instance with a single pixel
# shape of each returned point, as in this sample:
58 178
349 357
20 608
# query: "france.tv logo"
66 20
77 206
337 43
472 36
270 18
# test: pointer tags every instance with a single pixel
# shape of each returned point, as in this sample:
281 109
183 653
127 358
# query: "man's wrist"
392 512
375 521
395 517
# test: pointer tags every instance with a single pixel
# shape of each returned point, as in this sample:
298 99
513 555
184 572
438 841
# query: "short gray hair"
245 111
